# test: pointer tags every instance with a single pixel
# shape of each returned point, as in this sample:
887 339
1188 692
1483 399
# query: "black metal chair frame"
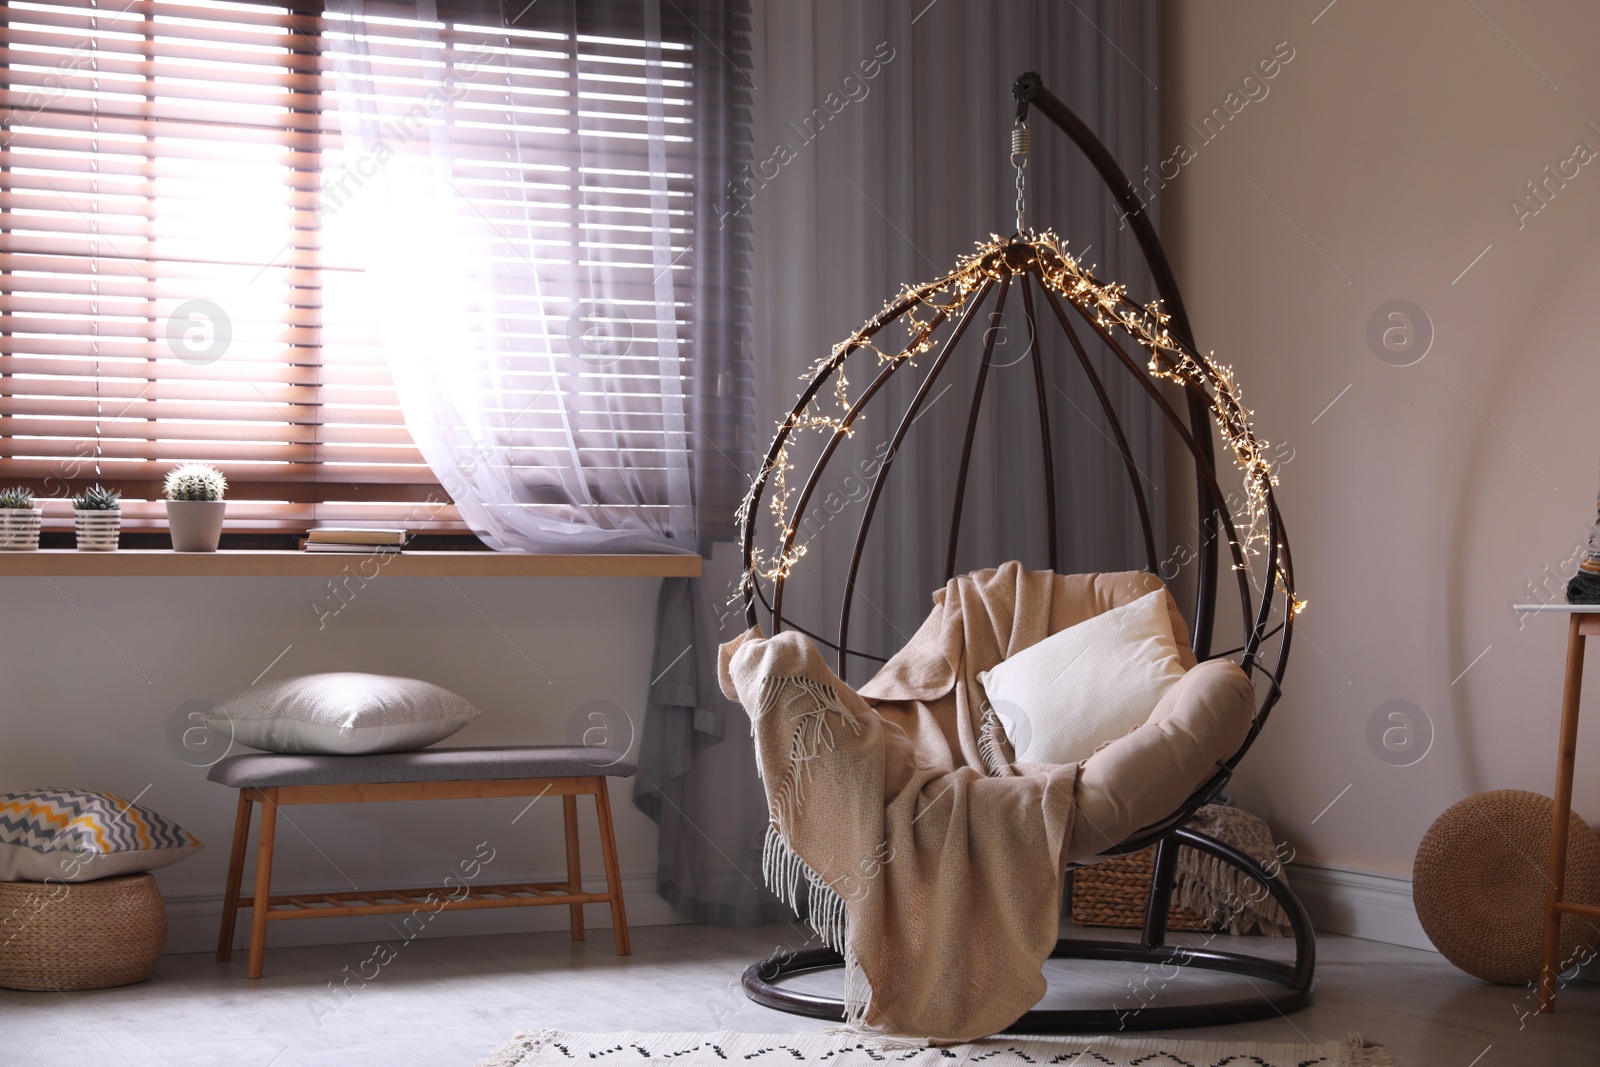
1030 263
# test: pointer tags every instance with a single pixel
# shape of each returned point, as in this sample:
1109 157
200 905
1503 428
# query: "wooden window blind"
174 285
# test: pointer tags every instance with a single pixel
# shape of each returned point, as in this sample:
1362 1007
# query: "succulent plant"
19 498
194 481
98 498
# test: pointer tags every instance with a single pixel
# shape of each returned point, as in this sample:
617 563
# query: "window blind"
177 281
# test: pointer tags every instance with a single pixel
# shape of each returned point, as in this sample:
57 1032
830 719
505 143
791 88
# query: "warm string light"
945 298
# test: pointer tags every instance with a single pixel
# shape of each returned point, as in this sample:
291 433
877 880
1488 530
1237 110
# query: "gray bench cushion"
261 770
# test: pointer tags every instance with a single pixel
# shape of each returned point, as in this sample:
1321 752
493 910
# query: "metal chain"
1021 145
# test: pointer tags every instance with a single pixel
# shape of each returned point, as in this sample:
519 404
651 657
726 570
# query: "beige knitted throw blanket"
938 879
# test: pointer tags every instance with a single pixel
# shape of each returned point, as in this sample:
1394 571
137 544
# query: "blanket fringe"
993 745
784 871
813 736
1228 896
878 1041
789 876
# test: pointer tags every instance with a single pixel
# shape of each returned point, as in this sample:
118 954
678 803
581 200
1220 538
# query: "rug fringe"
856 1046
1354 1051
522 1045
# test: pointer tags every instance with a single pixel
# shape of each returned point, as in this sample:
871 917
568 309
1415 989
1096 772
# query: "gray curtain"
697 778
880 141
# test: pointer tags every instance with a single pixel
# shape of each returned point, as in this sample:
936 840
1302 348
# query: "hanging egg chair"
1240 532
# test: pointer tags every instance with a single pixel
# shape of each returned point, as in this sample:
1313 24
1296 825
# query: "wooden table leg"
608 846
259 909
1549 970
230 898
569 814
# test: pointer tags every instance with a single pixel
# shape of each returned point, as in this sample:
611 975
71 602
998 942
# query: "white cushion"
79 835
342 714
1091 683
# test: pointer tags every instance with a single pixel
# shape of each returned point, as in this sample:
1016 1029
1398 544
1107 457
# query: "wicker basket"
80 935
1115 892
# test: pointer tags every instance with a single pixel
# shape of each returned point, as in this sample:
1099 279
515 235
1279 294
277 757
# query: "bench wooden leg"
230 899
259 909
608 846
569 813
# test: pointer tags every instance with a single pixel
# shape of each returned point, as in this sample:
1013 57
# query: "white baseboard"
1342 900
1376 907
194 918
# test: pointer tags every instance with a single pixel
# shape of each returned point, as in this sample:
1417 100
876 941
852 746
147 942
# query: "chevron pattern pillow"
77 835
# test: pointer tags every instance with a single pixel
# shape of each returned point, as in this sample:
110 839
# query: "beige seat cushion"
1202 720
1141 778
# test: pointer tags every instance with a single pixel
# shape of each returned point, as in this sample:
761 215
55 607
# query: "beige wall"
1427 498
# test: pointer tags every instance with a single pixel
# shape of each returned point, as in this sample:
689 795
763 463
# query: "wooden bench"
275 781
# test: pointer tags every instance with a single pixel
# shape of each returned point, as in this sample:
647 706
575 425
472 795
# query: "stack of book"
359 539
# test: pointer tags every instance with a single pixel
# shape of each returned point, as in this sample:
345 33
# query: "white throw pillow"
342 714
1088 684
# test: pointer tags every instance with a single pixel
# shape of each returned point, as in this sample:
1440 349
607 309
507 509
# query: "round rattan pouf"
80 935
1479 884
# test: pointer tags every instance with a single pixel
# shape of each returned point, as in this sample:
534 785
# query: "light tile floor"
450 1001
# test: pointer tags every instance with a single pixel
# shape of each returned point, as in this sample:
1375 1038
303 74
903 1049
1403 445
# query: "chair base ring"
1294 980
761 985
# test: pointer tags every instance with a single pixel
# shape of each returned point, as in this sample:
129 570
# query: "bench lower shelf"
398 901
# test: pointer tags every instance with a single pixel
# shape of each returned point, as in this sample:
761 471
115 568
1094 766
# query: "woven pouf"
1479 884
80 935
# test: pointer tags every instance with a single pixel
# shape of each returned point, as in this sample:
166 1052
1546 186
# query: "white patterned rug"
548 1048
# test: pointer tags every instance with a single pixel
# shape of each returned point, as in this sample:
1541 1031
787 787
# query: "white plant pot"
195 525
97 530
19 529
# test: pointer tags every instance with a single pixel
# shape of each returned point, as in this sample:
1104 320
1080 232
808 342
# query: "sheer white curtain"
521 197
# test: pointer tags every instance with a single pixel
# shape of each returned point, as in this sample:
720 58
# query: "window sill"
417 564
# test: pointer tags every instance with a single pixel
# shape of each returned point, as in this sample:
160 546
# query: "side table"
1584 622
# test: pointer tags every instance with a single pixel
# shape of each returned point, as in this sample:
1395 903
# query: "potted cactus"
195 506
97 516
19 520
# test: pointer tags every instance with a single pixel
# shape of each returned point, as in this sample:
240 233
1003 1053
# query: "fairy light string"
930 305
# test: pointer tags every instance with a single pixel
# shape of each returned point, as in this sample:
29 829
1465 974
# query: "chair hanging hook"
1021 145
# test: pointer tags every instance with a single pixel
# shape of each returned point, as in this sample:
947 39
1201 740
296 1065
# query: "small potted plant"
195 506
97 516
19 520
